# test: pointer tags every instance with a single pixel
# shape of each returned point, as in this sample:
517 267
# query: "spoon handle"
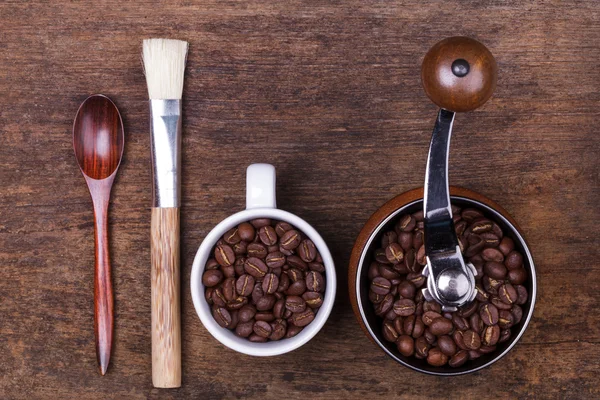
166 316
103 292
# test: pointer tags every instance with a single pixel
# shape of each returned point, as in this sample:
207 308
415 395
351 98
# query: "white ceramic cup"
260 203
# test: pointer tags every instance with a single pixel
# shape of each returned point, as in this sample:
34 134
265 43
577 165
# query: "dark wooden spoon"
98 143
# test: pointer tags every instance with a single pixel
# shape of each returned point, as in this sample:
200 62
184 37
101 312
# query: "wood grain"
166 309
329 92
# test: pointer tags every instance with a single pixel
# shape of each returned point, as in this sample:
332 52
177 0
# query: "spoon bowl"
98 141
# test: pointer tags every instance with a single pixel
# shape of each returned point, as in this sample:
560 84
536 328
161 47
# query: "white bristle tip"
164 66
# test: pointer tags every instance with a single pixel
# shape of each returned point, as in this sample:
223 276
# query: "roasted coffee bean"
232 237
489 314
459 322
495 270
286 252
297 262
240 248
492 254
405 239
373 271
293 330
282 227
482 295
307 250
257 293
463 244
430 316
246 231
497 230
313 299
507 293
441 326
517 312
244 329
446 345
404 307
470 214
418 239
256 267
430 337
500 305
436 357
224 255
421 256
295 304
295 274
267 235
458 359
238 266
229 291
279 328
481 226
474 354
387 272
517 276
374 297
212 277
264 316
490 239
505 319
270 283
260 222
315 282
472 340
432 306
279 308
208 296
256 250
418 329
297 288
246 313
399 325
291 239
218 298
275 260
406 345
228 271
303 318
407 289
469 309
504 335
475 323
388 238
514 260
521 294
417 279
385 305
406 223
458 337
491 285
266 302
235 319
284 283
408 325
460 227
388 331
222 316
410 261
315 266
380 256
381 285
394 253
262 329
506 246
421 347
490 335
487 349
211 264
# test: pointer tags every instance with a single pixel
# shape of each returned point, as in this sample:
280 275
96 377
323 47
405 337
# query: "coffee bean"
218 298
470 214
224 255
260 222
270 283
406 223
405 239
297 262
418 239
407 289
490 284
490 335
394 253
430 316
373 297
239 266
315 266
286 252
517 312
275 259
460 322
406 345
388 238
244 329
494 270
295 304
307 250
303 318
491 254
474 354
387 272
373 271
279 308
404 307
232 237
475 323
419 328
417 279
267 235
291 239
287 314
381 285
507 293
460 227
514 260
472 340
257 292
295 275
282 227
446 345
385 305
229 289
256 250
208 296
521 294
284 283
222 316
399 325
421 347
458 337
432 306
315 282
517 276
211 264
266 302
505 319
482 295
388 331
436 357
421 256
212 277
246 231
293 330
264 316
506 246
278 329
459 359
466 311
441 326
500 305
490 239
313 299
246 313
504 335
262 328
408 325
297 288
228 271
481 226
256 267
489 314
430 337
240 248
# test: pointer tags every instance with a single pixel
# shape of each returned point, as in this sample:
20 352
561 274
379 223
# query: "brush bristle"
164 66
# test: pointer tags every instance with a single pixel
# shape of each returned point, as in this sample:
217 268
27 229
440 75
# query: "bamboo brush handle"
166 317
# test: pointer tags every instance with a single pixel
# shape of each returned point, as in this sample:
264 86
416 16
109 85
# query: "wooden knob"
459 74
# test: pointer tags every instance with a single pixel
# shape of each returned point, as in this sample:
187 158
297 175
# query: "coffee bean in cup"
419 328
266 281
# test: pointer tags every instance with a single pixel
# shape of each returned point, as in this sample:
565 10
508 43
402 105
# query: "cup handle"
260 186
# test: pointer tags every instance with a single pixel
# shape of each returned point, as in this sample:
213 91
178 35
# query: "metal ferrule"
165 135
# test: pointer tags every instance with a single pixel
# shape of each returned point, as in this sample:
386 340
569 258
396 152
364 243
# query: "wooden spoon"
98 143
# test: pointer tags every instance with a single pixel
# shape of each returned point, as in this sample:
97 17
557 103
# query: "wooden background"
330 93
